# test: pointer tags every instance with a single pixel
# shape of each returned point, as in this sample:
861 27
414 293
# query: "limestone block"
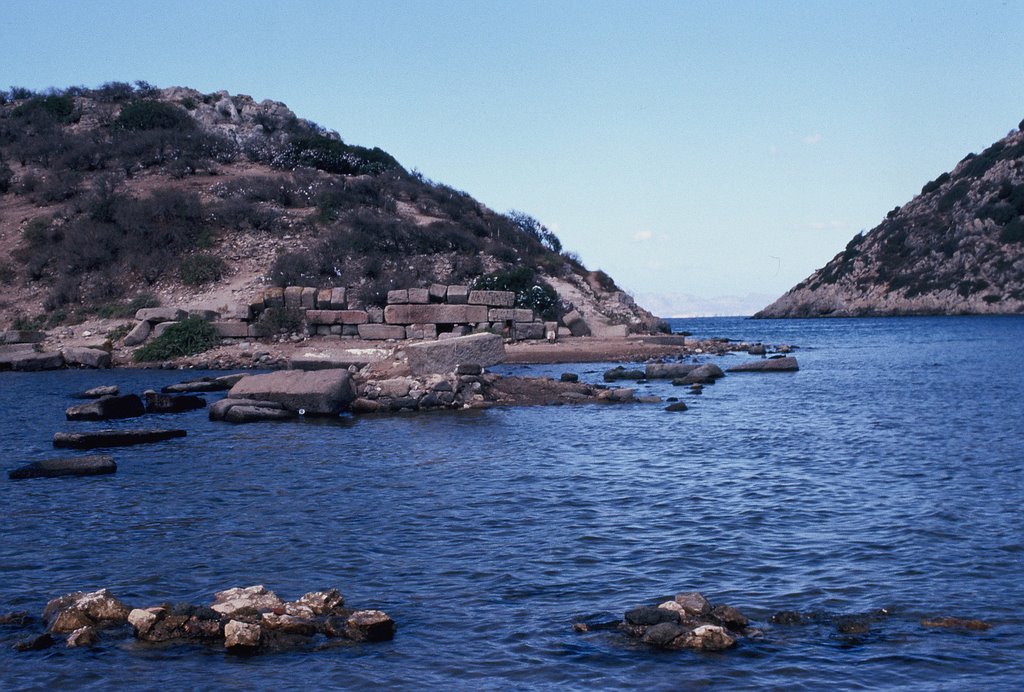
161 327
529 330
138 335
157 315
21 336
338 299
421 331
435 313
398 296
336 317
67 466
231 330
524 315
457 295
437 292
323 299
273 297
498 299
307 299
379 332
375 314
443 356
419 295
88 357
293 297
324 392
786 364
350 330
501 315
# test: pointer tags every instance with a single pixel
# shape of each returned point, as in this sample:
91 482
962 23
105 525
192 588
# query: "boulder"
649 615
757 350
21 336
143 619
693 603
107 408
83 637
664 634
241 637
370 626
112 438
169 403
676 407
203 384
257 414
444 356
621 373
706 638
37 643
25 358
956 623
775 364
79 609
321 392
160 328
139 334
706 373
97 392
87 357
258 598
94 465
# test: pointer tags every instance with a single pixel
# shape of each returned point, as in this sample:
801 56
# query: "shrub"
58 107
274 321
1013 232
293 269
334 156
535 229
935 184
6 175
200 269
185 338
153 115
953 195
531 292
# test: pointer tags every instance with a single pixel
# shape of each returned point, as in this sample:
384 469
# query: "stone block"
496 299
443 356
398 296
87 357
787 364
379 332
501 315
323 299
157 315
375 314
435 313
67 466
273 297
139 334
419 295
240 311
293 297
457 295
336 317
161 327
350 330
323 392
529 330
524 315
21 336
30 360
338 299
307 298
231 330
421 331
437 292
335 329
322 329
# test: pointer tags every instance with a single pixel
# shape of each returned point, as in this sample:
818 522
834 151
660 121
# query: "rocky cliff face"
957 248
126 196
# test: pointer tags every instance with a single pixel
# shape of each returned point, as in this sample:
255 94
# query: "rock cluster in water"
244 620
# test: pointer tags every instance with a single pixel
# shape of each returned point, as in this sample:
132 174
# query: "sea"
881 484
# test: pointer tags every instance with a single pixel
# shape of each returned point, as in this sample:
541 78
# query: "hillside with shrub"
955 249
127 196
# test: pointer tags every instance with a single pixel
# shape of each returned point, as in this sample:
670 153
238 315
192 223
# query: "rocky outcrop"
66 466
957 248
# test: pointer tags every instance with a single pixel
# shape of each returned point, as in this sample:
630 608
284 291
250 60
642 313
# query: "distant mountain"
128 194
955 249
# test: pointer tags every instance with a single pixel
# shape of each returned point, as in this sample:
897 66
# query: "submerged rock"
688 621
93 465
73 611
773 364
956 623
107 408
167 403
113 438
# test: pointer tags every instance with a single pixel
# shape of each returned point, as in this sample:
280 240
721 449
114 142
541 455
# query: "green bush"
185 338
59 107
531 292
293 269
274 321
935 184
153 115
200 269
1013 232
6 175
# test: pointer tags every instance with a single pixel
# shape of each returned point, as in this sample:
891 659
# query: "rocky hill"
957 248
129 196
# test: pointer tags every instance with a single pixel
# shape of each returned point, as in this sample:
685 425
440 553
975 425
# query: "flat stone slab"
337 359
786 364
435 313
323 392
94 465
24 357
444 356
113 438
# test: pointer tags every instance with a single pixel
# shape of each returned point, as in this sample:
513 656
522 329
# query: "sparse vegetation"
200 269
531 292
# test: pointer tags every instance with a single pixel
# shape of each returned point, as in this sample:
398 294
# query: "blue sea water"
884 479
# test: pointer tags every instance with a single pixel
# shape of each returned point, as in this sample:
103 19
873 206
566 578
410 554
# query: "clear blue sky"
701 149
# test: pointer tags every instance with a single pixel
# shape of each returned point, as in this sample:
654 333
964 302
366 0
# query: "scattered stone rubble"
244 620
688 621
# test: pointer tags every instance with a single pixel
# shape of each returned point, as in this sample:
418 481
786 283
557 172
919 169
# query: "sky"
707 155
